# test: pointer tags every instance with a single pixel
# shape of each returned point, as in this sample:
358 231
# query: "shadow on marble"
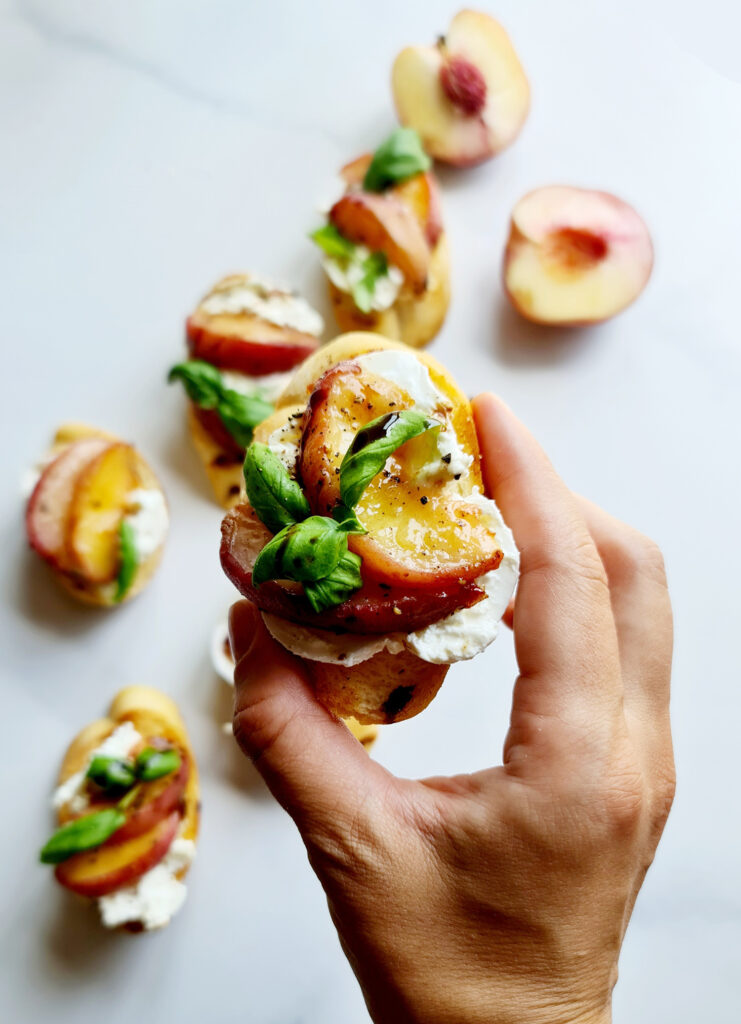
75 939
42 601
519 342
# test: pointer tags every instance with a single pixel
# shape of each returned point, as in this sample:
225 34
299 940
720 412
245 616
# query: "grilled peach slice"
152 802
420 192
420 534
385 224
378 607
49 505
239 341
109 867
98 506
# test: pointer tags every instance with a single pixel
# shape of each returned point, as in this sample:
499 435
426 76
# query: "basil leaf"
81 834
201 380
152 764
205 386
400 157
302 552
343 581
274 495
111 774
373 444
129 560
374 267
330 241
347 519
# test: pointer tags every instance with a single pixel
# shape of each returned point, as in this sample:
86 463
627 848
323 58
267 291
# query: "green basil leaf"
330 241
201 380
343 581
240 414
129 560
374 267
400 157
274 495
111 774
152 764
347 519
81 834
373 444
302 552
205 386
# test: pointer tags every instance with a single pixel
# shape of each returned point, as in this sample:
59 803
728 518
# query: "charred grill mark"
397 700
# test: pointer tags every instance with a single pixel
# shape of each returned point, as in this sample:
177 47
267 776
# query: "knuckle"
257 729
625 801
638 556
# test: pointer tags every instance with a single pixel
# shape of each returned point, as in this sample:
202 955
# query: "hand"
501 896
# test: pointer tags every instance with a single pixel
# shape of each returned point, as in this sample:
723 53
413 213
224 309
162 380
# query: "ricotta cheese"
467 632
155 897
149 521
280 444
72 791
269 386
347 274
250 293
335 648
221 655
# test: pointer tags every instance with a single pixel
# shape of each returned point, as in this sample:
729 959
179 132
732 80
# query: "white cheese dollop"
155 897
221 653
280 444
72 791
334 648
467 632
274 303
346 274
268 386
149 521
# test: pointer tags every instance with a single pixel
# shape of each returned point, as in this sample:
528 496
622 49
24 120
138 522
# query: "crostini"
244 339
223 665
97 515
366 539
384 249
127 807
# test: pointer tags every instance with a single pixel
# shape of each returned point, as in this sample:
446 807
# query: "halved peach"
109 867
98 506
419 534
384 224
575 256
246 343
378 607
48 508
467 96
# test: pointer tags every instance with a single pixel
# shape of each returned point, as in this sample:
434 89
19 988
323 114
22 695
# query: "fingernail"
242 623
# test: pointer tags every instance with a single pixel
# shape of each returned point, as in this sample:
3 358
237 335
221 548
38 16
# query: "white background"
149 147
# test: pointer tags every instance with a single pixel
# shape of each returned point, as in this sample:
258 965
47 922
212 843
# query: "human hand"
500 897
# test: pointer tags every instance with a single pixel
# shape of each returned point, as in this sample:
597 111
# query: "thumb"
311 762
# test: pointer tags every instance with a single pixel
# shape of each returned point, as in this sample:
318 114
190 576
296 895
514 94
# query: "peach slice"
101 871
384 224
419 533
153 801
48 507
98 506
468 96
420 192
247 344
575 256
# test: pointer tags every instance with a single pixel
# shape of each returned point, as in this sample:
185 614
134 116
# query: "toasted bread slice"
223 470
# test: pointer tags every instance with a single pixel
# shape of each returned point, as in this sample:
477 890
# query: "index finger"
564 630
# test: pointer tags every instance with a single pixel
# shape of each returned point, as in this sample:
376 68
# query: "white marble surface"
147 147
